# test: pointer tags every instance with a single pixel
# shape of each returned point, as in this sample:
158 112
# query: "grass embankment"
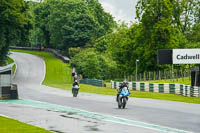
8 125
185 81
9 61
58 74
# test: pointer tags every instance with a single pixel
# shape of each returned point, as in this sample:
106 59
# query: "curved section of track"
176 117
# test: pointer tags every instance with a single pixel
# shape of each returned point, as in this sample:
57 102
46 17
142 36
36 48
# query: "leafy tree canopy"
13 23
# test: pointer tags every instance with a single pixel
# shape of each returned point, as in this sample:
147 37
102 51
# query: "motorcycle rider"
75 83
75 76
124 84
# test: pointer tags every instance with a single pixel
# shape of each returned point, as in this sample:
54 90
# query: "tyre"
124 102
74 92
119 103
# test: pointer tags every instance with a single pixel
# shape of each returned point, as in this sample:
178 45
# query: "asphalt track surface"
58 111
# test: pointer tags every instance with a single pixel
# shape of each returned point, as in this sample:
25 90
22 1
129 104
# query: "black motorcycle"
75 90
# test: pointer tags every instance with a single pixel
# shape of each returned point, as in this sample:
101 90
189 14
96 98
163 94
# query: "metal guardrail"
94 82
56 53
180 89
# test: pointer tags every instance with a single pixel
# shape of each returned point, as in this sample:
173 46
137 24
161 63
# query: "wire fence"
160 75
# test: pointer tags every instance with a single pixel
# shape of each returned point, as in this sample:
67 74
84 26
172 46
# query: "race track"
58 111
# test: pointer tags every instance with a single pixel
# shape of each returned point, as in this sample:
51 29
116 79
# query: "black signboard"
164 56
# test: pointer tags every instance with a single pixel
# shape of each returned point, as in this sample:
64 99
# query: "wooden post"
183 74
164 74
159 75
189 72
149 76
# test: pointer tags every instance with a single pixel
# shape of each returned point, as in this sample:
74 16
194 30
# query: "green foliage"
104 20
71 23
91 64
74 51
163 24
120 45
194 35
157 30
14 25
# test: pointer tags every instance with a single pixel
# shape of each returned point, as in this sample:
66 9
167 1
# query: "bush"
91 64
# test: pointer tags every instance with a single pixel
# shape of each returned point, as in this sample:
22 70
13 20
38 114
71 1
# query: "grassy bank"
9 61
58 75
185 81
8 125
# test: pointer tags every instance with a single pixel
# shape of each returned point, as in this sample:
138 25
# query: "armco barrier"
179 89
58 55
94 82
151 87
172 88
133 85
161 88
25 48
53 51
142 87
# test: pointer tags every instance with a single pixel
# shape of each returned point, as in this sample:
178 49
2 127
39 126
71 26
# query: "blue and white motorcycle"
123 97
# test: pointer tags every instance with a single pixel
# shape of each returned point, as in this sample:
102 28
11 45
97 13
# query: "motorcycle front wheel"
75 92
119 103
124 102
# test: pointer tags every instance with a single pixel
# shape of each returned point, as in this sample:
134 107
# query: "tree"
158 30
91 64
12 20
105 21
184 14
72 23
119 46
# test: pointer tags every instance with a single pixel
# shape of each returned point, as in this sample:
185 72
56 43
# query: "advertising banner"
186 56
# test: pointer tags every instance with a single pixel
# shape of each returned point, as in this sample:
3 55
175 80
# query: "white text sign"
186 56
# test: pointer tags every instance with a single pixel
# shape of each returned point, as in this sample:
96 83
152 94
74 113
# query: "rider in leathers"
124 84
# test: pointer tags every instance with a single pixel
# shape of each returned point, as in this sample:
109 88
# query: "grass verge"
58 75
185 81
9 61
8 125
